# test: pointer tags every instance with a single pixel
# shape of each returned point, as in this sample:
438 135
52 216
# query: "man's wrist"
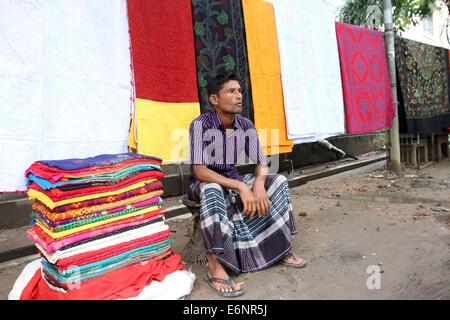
260 179
241 185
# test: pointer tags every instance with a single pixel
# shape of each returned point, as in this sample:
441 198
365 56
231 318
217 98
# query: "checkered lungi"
244 244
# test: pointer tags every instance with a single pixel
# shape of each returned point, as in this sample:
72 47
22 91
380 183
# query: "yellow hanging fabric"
265 75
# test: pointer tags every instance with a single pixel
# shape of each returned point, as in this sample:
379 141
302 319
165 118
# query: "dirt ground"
349 223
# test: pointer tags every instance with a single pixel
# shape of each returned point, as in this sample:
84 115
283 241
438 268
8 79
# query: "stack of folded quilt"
99 215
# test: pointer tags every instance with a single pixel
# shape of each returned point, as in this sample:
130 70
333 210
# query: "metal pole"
394 161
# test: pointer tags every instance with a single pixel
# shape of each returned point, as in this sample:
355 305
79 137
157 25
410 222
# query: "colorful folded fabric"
53 224
130 217
97 161
57 194
106 254
71 215
34 194
80 221
37 234
68 247
115 261
107 179
87 227
118 284
96 255
55 174
72 281
368 101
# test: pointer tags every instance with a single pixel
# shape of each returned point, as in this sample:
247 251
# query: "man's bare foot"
215 270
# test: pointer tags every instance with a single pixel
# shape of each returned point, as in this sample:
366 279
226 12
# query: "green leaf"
199 29
202 61
223 18
228 33
201 80
229 62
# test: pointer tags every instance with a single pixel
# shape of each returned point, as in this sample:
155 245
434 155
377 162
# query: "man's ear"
214 99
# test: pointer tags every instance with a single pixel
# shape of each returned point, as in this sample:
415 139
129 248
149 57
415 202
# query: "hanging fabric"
265 74
368 101
163 57
65 83
220 47
423 87
310 70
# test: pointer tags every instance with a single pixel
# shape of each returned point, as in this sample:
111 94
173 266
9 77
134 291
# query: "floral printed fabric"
220 47
423 80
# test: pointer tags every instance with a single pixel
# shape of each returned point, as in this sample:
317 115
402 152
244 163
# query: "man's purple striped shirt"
219 149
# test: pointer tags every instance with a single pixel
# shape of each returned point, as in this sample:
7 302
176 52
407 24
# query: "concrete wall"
177 176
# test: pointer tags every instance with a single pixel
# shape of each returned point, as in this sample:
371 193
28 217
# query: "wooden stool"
441 146
414 150
194 251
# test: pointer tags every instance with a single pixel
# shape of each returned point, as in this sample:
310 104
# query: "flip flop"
293 265
228 282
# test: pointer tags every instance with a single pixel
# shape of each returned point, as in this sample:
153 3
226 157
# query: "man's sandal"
228 282
302 264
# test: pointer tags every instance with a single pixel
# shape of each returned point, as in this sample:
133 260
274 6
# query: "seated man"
247 221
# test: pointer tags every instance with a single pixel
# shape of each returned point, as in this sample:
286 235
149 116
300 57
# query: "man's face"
229 99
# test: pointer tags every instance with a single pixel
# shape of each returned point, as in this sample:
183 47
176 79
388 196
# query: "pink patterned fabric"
366 88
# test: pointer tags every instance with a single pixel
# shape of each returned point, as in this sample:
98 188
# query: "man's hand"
248 200
262 200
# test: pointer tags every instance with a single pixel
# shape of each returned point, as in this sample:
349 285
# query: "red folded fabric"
56 194
118 284
366 88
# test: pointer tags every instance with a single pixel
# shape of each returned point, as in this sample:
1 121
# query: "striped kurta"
219 150
243 244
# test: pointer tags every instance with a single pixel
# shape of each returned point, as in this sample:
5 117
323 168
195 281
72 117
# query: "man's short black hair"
216 83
